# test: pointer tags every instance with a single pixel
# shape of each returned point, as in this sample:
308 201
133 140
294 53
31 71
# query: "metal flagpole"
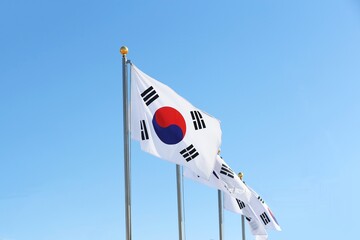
241 175
179 201
220 206
124 50
243 226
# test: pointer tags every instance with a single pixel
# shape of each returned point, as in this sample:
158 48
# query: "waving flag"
256 209
170 127
263 211
224 179
237 206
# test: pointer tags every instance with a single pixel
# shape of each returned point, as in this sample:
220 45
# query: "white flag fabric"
237 206
263 211
170 127
224 179
256 210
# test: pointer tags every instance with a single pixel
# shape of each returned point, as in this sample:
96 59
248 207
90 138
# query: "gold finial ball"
124 50
241 175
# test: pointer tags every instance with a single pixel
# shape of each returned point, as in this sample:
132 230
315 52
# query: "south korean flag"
224 179
263 212
237 206
170 127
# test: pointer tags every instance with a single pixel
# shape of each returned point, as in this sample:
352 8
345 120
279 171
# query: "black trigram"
197 120
240 203
143 129
247 218
260 199
226 171
215 175
189 153
149 95
264 217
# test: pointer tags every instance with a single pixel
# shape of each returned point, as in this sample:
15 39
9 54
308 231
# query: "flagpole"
243 226
179 201
220 206
241 175
124 50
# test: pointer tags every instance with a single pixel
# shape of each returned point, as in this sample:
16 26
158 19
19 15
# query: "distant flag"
263 212
170 127
237 206
256 210
224 179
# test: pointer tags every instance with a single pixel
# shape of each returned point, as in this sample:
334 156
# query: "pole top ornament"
124 50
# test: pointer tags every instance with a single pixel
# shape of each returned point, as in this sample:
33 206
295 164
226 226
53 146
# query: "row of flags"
171 128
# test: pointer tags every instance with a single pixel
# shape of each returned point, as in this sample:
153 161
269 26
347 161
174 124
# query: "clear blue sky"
283 76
